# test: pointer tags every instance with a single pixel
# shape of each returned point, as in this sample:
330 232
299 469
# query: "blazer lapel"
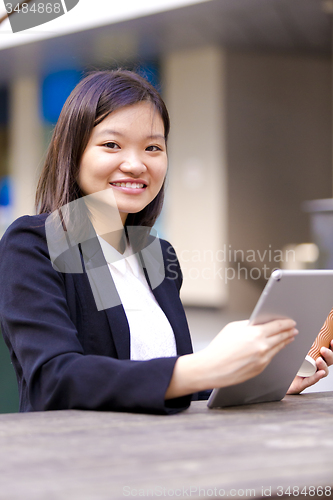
120 330
106 295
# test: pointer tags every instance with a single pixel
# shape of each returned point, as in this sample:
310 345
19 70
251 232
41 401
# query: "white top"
151 335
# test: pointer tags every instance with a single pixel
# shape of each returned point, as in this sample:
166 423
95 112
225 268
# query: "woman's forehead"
143 114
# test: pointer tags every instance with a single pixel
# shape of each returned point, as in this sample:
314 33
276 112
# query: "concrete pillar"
196 199
25 143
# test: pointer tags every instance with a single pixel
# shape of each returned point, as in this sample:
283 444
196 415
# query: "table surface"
84 455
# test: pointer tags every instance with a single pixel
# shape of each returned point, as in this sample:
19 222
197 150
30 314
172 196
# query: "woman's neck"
106 219
117 239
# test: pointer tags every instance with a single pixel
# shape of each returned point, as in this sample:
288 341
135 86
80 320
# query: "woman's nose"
133 165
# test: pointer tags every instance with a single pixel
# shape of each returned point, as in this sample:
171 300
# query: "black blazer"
67 353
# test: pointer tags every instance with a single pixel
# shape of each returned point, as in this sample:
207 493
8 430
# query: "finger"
321 374
326 351
327 354
308 381
300 383
278 342
282 338
277 326
322 365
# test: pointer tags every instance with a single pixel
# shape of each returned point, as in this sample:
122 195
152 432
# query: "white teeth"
133 185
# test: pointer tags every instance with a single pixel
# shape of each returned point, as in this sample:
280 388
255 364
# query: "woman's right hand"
238 353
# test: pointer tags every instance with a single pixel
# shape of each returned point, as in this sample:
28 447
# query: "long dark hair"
92 100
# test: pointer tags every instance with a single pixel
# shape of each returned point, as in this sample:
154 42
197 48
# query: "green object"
9 398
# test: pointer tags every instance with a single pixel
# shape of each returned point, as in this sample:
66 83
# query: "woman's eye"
111 145
153 148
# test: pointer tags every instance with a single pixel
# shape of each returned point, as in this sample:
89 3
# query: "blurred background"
248 84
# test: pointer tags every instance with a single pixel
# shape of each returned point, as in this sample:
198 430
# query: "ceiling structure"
296 26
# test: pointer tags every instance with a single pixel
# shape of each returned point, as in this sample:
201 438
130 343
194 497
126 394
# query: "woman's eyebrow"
108 131
156 136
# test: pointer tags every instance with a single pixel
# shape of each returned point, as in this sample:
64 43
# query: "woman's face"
126 153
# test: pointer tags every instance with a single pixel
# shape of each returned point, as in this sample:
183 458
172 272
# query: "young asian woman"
103 336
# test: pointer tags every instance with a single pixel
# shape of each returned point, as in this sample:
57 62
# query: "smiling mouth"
132 185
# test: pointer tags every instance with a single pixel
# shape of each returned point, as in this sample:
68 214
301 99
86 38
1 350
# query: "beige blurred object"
299 256
323 339
327 6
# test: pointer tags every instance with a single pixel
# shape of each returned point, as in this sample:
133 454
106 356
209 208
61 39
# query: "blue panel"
150 71
5 191
56 88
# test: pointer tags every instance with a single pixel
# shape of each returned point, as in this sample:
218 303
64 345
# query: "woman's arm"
63 349
237 353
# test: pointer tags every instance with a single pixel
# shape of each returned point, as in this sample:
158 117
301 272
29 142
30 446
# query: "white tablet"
307 298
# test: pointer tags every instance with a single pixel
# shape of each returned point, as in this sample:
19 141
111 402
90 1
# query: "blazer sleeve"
52 369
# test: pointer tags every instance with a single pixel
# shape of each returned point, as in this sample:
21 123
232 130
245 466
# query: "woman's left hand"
323 362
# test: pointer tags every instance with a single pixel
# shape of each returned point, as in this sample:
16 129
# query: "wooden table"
240 452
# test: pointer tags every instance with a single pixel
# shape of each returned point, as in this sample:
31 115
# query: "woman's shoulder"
26 223
25 230
24 250
168 250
